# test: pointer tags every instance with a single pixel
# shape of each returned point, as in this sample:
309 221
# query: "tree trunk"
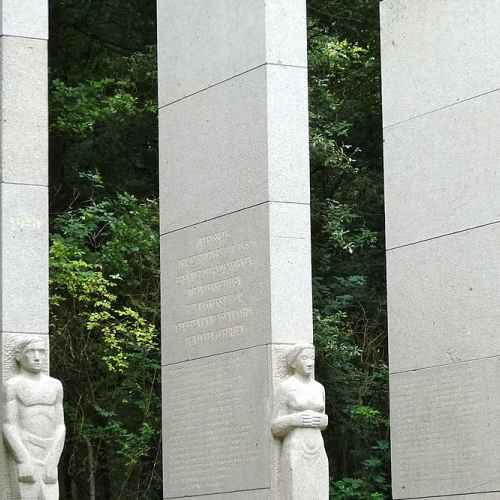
91 461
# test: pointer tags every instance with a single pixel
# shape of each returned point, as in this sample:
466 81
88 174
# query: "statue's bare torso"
36 404
33 427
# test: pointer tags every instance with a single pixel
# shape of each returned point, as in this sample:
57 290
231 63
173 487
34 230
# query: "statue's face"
33 358
304 363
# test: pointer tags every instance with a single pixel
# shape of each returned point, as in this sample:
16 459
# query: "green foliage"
348 242
105 344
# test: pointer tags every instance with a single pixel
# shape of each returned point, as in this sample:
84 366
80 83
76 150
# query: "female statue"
299 417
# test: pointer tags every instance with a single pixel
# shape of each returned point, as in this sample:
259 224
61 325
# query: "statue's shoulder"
319 386
13 382
12 386
54 383
288 384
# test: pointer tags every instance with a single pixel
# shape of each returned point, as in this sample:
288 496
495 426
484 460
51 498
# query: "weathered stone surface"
32 420
444 430
494 495
24 258
436 53
205 43
264 494
24 18
448 158
234 196
443 300
235 146
24 113
217 282
216 430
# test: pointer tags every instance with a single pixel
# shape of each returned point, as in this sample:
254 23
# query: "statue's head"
31 354
300 359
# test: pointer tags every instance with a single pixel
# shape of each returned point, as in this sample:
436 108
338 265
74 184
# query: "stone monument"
235 245
299 417
33 424
24 252
440 78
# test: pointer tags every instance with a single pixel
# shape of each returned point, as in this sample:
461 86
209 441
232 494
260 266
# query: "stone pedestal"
441 76
23 185
236 279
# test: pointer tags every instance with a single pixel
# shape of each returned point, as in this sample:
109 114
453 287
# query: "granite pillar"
235 236
440 76
23 185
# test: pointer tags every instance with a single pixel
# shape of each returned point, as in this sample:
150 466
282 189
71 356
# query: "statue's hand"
26 473
314 419
50 475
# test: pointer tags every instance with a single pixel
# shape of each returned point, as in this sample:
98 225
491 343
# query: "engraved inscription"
216 288
214 436
215 305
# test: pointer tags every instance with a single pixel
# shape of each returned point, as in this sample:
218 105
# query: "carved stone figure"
299 417
33 426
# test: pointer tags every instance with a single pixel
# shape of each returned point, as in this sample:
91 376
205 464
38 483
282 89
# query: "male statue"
33 426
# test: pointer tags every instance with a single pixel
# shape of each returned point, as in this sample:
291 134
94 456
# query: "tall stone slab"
235 236
441 77
23 187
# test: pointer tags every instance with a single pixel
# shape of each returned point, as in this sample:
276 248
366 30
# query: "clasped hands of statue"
309 419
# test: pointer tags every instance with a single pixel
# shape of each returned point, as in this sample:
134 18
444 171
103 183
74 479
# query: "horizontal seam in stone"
449 495
23 333
233 212
442 108
24 37
268 344
443 365
460 231
217 493
228 80
24 184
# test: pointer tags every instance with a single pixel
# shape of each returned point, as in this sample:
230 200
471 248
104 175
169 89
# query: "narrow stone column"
236 277
23 187
441 75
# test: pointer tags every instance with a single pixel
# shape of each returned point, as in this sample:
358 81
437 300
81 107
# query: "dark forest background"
105 246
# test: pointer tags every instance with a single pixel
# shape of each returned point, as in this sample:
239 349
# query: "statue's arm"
283 422
324 417
10 430
59 435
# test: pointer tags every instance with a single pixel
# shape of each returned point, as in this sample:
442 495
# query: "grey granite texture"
235 245
445 425
24 111
24 258
236 145
24 18
436 53
215 424
263 494
442 171
216 288
205 43
443 300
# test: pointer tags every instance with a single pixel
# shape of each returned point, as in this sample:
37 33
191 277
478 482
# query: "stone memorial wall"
440 78
235 236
